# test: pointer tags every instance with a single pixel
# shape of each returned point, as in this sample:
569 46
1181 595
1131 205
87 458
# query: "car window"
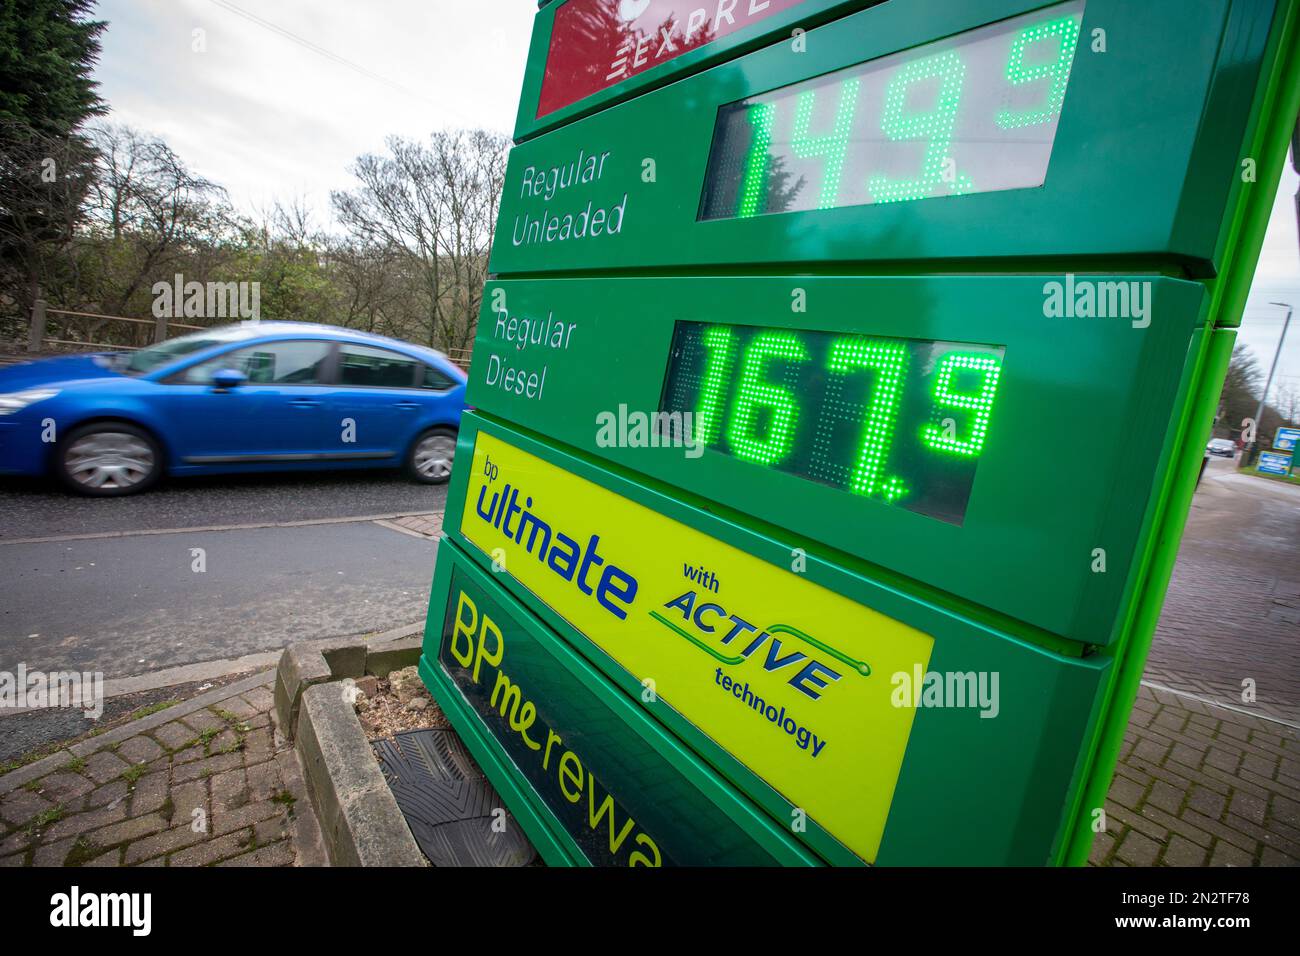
368 367
147 359
297 362
436 380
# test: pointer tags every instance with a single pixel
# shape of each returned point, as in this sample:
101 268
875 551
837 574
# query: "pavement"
1232 613
207 782
1209 773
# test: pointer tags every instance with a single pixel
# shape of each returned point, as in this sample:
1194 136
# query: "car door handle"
406 404
304 403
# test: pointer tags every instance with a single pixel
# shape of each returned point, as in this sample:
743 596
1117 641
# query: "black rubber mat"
448 803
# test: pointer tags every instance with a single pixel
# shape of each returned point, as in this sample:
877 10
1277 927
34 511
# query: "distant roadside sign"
1271 463
1285 439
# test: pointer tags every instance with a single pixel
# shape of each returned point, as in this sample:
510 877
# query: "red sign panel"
597 43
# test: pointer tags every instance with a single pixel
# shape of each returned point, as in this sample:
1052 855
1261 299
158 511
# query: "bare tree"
44 180
1241 387
1286 399
152 208
436 206
371 288
471 167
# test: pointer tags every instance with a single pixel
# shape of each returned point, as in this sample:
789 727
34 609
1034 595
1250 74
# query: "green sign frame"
781 24
949 748
1144 164
1166 160
1080 417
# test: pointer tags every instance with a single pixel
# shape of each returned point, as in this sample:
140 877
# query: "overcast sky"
267 117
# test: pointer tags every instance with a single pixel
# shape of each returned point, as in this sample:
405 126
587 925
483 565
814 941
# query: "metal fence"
37 340
163 327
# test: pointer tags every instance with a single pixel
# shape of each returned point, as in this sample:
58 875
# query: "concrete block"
373 832
359 817
382 661
345 660
301 665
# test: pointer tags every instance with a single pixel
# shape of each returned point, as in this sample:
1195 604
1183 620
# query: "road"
113 585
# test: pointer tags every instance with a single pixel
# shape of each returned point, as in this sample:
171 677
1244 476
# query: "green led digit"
935 126
717 371
832 145
888 359
1065 32
989 368
754 393
754 188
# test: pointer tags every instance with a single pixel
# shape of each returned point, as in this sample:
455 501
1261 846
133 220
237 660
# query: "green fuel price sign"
973 113
900 420
836 404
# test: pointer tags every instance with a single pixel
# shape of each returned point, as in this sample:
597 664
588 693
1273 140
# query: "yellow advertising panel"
792 679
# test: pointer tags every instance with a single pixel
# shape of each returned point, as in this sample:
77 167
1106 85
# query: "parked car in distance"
253 397
1222 447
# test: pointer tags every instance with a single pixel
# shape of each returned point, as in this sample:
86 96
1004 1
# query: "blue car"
268 396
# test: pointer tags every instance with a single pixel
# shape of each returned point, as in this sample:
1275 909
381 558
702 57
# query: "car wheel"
431 456
109 458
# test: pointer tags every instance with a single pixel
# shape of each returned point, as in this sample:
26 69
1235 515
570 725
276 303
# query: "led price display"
972 113
900 421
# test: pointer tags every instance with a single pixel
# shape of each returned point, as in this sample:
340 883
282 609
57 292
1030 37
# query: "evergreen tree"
47 51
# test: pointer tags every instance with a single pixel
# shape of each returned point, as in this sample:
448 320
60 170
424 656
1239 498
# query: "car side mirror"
227 379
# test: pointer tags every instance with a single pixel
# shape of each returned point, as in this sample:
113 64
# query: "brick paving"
1216 781
1197 785
217 785
422 526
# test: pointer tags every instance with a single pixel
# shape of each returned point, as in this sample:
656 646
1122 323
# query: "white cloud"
267 118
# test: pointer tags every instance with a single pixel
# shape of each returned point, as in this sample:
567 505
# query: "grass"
136 714
1291 479
236 745
76 764
133 773
45 818
40 753
286 800
207 736
82 852
148 709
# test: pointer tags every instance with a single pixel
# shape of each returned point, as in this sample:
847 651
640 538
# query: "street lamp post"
1259 413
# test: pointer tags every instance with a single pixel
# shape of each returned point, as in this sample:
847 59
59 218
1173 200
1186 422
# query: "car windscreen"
148 359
